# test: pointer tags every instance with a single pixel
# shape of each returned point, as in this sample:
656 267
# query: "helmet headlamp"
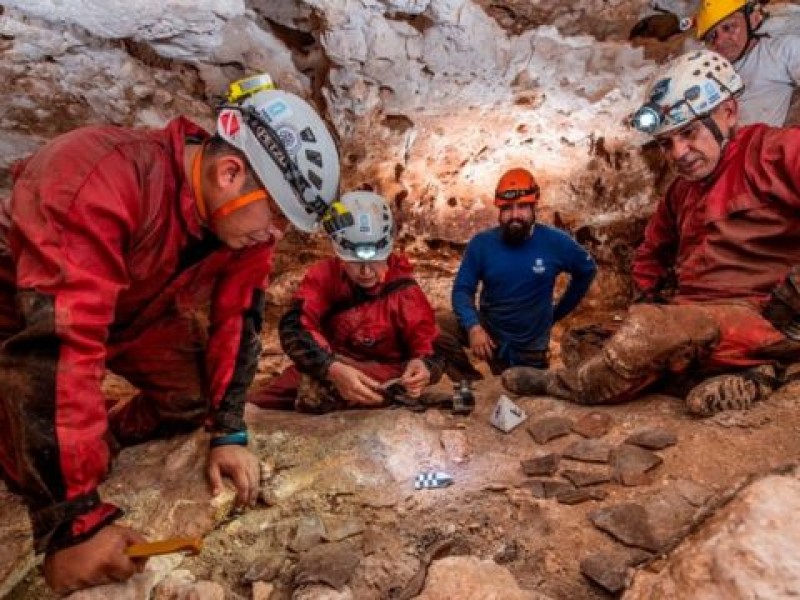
648 118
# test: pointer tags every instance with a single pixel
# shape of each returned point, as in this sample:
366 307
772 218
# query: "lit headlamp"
648 118
365 251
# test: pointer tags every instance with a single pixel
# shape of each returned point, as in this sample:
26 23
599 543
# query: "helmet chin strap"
712 126
748 11
227 208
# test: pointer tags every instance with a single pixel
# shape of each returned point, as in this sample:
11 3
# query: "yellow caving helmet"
712 12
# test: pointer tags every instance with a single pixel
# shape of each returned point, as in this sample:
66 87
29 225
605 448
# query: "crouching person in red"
145 252
357 321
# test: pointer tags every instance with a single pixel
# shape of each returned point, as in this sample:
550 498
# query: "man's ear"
727 113
230 172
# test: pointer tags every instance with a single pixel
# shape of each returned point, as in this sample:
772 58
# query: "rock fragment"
541 465
549 428
593 425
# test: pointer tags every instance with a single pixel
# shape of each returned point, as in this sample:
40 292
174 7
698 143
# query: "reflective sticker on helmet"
289 138
276 110
365 223
229 122
712 93
660 90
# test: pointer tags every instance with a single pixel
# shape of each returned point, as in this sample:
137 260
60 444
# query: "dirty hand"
355 387
99 560
243 468
480 343
415 377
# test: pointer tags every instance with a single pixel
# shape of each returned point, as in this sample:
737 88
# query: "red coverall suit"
729 240
331 318
104 263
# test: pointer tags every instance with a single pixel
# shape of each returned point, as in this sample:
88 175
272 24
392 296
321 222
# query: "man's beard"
516 231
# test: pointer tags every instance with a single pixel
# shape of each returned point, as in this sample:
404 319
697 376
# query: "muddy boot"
735 391
527 381
314 396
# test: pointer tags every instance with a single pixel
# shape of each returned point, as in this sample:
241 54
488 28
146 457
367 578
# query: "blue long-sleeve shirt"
516 299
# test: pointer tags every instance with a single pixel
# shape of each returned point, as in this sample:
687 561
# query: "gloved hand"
783 307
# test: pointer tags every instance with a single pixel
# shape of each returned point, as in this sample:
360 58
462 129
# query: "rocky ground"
557 508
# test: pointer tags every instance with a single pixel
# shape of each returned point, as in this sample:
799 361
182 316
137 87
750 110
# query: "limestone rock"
262 591
469 578
16 541
749 550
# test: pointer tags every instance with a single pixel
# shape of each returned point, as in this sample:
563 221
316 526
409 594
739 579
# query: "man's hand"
355 387
243 468
480 343
415 377
99 560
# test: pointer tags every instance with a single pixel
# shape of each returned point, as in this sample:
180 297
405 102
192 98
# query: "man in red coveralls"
147 253
727 232
357 320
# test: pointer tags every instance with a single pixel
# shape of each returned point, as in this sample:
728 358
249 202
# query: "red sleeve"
234 345
657 252
67 240
300 328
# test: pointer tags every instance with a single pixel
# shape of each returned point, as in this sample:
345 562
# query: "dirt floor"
357 468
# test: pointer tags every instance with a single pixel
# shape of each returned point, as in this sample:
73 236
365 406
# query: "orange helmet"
516 185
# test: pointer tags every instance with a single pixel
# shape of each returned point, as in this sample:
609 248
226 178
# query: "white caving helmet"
288 146
371 234
687 88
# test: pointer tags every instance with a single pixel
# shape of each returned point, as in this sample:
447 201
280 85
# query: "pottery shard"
593 451
580 496
265 568
653 438
310 532
609 570
549 428
542 465
340 528
631 463
585 478
593 425
330 564
628 523
547 488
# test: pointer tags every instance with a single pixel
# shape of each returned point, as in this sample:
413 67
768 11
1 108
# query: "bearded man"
517 264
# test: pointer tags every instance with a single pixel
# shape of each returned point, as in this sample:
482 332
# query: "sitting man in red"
357 321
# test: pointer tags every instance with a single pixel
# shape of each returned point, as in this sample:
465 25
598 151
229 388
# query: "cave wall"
431 99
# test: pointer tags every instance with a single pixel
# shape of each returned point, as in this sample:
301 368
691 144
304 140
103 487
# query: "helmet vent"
314 157
307 135
314 179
